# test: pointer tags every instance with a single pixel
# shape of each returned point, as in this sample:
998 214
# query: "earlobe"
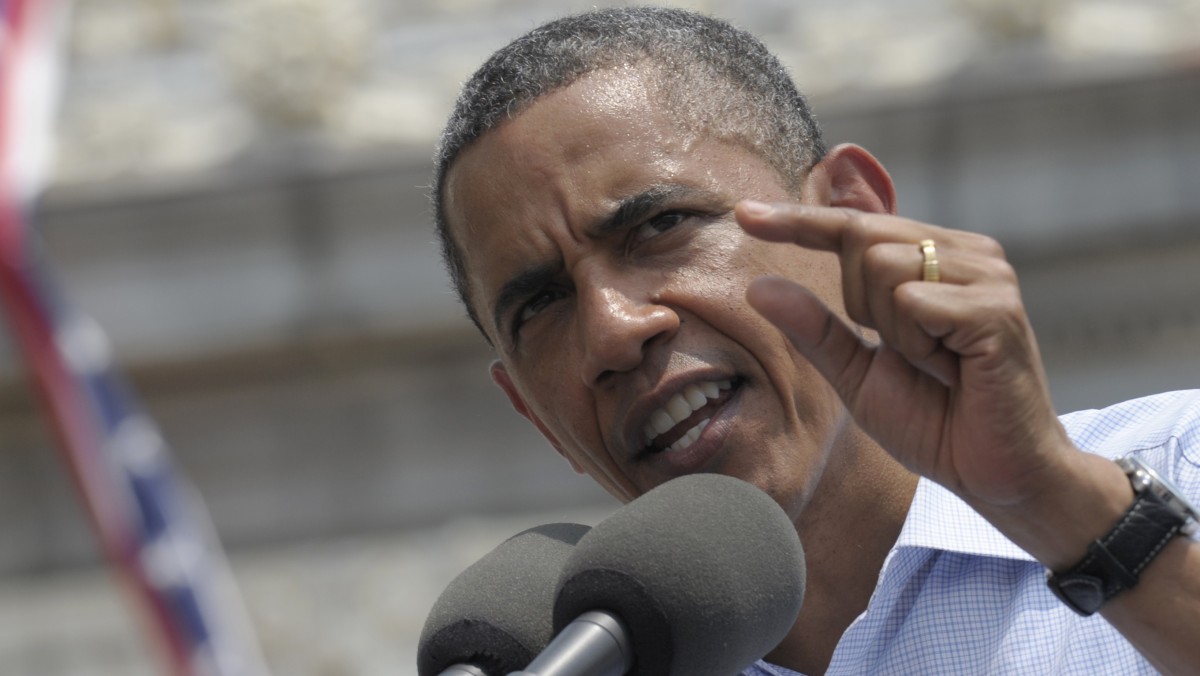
504 381
849 176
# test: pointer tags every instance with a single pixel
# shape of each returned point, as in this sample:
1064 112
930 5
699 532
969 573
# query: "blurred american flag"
150 523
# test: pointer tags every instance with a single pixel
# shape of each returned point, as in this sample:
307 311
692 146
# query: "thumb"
833 348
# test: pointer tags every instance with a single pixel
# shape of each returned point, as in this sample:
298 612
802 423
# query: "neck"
847 531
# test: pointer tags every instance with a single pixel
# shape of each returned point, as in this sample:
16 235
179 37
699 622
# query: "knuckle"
857 227
985 245
1007 312
1000 270
1010 300
906 297
875 259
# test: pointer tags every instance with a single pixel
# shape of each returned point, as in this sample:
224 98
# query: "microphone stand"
595 644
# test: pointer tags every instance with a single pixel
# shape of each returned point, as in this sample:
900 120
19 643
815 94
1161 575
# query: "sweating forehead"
613 91
614 106
579 114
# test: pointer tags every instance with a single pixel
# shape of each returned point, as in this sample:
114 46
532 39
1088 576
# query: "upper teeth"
691 399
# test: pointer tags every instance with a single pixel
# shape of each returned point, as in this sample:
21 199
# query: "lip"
708 444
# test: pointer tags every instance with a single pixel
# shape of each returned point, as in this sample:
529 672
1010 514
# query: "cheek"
569 413
556 407
720 264
721 268
824 278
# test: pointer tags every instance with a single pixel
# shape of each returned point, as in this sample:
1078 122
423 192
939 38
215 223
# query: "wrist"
1078 502
1114 563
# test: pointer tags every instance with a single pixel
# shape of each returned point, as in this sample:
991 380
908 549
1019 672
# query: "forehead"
548 142
563 160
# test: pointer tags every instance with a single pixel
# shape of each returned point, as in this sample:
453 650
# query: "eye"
536 304
658 225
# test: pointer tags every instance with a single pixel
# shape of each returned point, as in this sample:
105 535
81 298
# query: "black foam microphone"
705 573
496 615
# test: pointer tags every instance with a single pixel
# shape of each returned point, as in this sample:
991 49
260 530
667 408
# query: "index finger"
822 228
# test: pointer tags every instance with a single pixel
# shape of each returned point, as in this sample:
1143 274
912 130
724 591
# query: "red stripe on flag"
74 425
73 418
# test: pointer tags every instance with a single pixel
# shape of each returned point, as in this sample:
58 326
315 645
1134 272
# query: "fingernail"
756 208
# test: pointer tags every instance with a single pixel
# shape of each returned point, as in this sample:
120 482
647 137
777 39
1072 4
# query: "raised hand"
955 390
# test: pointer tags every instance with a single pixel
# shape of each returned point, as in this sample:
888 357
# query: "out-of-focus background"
239 200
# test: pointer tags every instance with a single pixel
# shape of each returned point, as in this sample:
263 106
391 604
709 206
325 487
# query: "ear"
504 381
849 176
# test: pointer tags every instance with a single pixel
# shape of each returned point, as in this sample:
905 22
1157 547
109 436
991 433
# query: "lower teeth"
690 436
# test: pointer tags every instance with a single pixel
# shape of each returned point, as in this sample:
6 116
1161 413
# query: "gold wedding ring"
930 271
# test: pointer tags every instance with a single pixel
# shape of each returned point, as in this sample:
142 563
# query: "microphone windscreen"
705 570
497 613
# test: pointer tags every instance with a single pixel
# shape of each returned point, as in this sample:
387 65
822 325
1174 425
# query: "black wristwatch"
1159 512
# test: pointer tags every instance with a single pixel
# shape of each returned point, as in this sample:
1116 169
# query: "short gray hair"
747 96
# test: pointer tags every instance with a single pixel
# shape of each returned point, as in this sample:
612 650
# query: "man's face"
608 270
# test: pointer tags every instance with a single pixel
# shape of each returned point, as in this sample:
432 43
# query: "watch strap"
1114 562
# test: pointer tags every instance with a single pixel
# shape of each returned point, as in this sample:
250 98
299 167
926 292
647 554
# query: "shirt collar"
938 519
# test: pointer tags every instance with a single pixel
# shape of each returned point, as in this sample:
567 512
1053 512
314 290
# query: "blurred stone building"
240 202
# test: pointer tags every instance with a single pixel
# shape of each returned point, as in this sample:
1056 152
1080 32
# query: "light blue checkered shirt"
956 597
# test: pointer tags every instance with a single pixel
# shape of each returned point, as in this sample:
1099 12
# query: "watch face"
1168 490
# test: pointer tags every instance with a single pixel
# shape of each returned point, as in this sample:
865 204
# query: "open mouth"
678 424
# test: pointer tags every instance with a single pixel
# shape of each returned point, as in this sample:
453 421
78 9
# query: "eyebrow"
629 211
636 208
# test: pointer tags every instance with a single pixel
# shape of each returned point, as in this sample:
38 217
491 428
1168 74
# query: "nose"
617 324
